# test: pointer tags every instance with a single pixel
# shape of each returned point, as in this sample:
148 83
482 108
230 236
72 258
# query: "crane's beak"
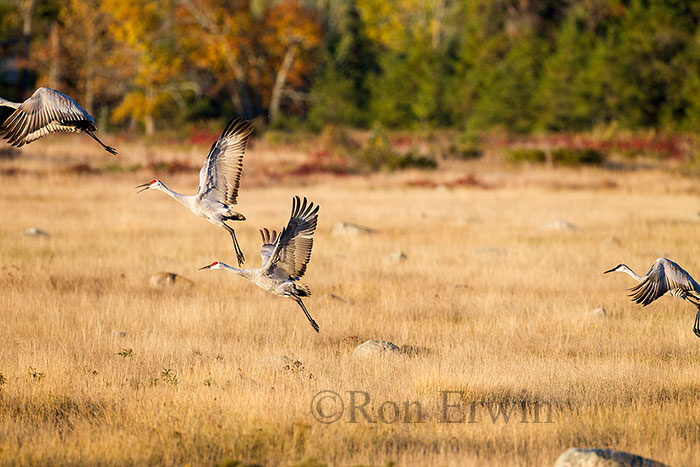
204 267
610 270
145 187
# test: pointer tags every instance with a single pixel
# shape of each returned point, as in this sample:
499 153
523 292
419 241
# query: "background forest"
517 65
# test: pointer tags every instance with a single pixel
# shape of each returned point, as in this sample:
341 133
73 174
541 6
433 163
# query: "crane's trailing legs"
308 316
696 328
109 149
239 253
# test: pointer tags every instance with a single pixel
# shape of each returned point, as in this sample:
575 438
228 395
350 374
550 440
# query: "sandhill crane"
664 277
47 111
218 181
284 257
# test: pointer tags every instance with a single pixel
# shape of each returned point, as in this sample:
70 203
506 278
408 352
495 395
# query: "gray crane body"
665 277
284 257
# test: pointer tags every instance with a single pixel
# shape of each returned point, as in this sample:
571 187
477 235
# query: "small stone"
487 250
559 225
119 334
613 241
599 312
348 229
169 279
35 232
376 348
577 457
281 362
337 298
394 258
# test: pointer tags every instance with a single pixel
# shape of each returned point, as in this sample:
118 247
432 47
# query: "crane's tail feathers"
302 290
109 149
12 129
696 327
236 247
308 316
234 216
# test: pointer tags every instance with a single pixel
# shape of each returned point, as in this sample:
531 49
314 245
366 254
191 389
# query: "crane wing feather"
269 239
664 276
293 247
46 111
220 176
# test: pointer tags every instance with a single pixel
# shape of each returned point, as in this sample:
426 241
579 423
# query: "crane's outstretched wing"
268 246
221 173
47 111
664 276
293 247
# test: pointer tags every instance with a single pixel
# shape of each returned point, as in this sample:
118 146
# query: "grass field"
496 309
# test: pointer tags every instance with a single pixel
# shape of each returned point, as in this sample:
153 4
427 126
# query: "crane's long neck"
626 269
6 103
247 273
187 201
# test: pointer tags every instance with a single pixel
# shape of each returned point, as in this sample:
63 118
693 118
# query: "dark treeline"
517 65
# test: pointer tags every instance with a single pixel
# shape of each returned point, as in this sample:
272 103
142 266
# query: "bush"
517 156
467 145
411 160
573 156
379 154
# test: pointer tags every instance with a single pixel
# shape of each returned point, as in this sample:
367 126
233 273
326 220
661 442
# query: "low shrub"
575 156
467 145
520 155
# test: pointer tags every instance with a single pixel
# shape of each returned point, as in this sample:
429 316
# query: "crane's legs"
308 316
239 253
696 328
109 149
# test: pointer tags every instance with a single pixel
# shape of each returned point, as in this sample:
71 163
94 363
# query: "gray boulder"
376 348
577 457
168 280
35 232
559 225
599 312
348 229
394 258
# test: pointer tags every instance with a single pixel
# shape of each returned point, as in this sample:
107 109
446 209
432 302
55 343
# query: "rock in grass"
559 225
577 457
348 229
280 362
613 241
394 258
599 312
376 348
35 232
164 280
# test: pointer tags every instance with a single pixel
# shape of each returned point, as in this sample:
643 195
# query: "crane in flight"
284 257
664 277
218 181
47 111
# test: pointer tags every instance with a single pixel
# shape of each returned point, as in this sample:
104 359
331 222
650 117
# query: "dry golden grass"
497 305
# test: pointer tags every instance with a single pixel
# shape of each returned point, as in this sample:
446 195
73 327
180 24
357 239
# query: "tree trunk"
439 15
26 8
149 124
55 53
148 121
90 69
280 81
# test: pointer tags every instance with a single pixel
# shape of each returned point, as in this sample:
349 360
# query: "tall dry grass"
497 307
